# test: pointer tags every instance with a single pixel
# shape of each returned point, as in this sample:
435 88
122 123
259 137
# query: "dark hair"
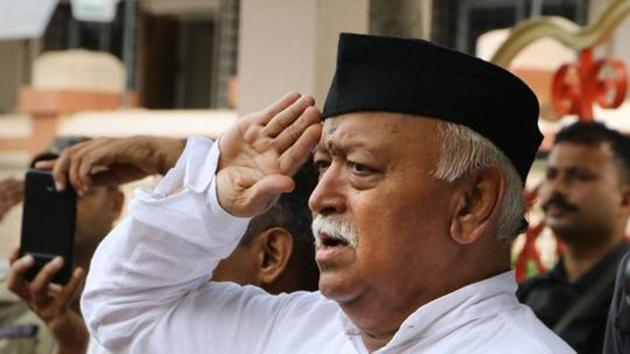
291 212
594 133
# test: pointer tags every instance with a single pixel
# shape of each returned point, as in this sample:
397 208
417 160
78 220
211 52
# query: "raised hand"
113 160
261 152
52 302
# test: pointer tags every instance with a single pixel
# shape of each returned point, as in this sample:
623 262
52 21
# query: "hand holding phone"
54 304
48 224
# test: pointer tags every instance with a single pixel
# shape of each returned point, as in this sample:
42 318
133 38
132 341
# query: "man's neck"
374 339
578 259
374 343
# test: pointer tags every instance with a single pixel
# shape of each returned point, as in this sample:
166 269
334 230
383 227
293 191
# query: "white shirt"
148 290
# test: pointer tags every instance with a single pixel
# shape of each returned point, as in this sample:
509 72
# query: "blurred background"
176 68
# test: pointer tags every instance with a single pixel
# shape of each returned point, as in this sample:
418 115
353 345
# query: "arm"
113 160
148 285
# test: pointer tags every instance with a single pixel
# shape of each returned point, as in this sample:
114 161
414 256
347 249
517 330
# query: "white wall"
291 46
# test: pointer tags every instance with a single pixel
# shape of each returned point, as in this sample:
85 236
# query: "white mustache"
334 228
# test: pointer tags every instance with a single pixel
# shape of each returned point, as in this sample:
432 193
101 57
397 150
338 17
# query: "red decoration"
577 87
529 252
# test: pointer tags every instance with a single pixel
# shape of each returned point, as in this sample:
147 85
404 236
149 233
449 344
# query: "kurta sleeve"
147 290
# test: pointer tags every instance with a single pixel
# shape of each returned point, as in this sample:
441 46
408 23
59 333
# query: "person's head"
419 194
97 210
586 191
276 252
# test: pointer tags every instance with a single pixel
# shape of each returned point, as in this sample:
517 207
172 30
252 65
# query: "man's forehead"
377 122
377 131
580 154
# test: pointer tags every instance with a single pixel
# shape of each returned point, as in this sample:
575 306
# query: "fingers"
71 291
45 165
75 165
39 285
119 160
266 191
269 112
15 280
60 171
15 254
294 131
300 151
85 161
287 116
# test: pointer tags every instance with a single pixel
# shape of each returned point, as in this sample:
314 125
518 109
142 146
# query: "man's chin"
565 230
559 225
335 286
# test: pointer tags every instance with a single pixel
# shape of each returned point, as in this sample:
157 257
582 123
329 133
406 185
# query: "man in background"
277 252
27 327
586 199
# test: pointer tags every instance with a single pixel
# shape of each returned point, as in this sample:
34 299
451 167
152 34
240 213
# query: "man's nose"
556 185
554 189
328 196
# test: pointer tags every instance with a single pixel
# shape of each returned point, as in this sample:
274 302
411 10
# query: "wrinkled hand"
113 160
51 302
11 193
261 152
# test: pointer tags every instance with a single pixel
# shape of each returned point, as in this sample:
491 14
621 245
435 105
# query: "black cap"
412 76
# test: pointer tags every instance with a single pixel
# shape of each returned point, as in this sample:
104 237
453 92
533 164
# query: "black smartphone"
48 224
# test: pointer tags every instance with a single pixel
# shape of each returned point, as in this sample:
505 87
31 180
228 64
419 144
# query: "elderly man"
421 157
586 199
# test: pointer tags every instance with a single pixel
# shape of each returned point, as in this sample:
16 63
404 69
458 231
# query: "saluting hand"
261 152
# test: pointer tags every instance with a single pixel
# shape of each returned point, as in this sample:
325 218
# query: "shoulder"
522 331
536 283
515 330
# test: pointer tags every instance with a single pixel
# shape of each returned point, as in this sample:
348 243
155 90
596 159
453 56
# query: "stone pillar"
291 46
16 59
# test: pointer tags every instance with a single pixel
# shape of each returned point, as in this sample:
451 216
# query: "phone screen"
48 224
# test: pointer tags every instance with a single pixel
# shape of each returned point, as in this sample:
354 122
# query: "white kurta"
148 290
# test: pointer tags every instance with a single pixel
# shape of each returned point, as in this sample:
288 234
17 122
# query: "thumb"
265 191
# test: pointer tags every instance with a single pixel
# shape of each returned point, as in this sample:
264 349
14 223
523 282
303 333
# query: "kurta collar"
485 298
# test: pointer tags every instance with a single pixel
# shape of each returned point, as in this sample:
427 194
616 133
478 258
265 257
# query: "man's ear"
625 198
118 201
476 204
277 246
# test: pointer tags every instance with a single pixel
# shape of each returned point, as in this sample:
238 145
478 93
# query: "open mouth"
327 240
